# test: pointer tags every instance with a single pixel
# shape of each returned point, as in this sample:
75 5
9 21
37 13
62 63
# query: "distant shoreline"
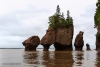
11 48
21 48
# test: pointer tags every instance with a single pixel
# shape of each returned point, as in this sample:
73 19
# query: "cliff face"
64 38
31 43
79 42
48 39
98 38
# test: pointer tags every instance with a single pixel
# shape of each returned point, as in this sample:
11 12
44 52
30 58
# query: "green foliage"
69 19
58 20
98 36
58 10
97 14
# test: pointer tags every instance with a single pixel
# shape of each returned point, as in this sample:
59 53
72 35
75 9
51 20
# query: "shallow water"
39 58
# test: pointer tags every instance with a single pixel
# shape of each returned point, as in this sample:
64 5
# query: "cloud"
21 24
85 23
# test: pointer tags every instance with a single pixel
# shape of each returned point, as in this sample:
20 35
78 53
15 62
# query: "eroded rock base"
60 47
30 48
46 47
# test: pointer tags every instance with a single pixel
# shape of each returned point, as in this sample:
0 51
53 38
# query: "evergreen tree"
68 15
58 10
62 16
69 18
97 14
58 20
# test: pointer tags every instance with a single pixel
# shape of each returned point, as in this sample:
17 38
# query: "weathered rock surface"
60 37
98 38
63 40
48 39
31 43
79 42
88 47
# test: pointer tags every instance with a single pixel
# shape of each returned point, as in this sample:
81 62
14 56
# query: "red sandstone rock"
88 47
31 43
79 42
98 38
48 39
64 38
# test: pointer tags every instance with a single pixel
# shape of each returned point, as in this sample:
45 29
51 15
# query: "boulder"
31 43
48 39
79 42
64 36
88 47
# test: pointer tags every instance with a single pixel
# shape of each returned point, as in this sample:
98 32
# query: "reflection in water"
32 59
48 59
98 59
61 59
78 58
84 58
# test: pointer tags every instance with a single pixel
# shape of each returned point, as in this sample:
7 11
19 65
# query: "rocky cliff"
98 38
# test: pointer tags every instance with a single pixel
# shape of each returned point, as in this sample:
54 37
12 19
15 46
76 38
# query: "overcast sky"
20 19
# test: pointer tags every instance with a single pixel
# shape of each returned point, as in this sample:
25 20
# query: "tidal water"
51 58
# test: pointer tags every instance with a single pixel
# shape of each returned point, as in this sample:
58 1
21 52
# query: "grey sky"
20 19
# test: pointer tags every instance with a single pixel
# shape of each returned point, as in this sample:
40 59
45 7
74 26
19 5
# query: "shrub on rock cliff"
97 14
57 20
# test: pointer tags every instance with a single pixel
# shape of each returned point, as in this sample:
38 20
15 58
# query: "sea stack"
60 32
64 37
48 39
88 47
79 42
31 43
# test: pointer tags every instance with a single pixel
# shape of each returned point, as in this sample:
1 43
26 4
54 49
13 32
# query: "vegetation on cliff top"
58 19
97 14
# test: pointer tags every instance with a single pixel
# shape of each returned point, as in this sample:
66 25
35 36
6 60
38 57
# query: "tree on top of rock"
58 10
97 14
69 18
58 20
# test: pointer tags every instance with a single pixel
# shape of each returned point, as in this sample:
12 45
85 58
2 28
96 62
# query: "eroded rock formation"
60 37
79 42
98 38
63 40
88 47
48 39
31 43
